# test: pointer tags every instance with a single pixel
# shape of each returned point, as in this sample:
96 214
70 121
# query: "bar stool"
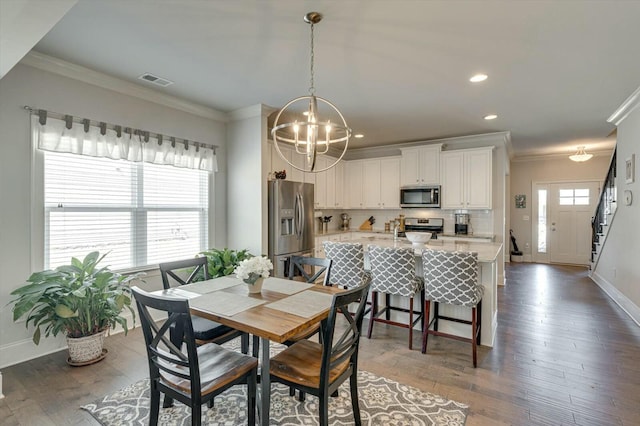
452 278
347 267
393 272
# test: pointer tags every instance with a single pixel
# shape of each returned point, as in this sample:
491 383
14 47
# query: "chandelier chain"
312 89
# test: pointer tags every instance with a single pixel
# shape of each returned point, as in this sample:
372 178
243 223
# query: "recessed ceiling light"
478 78
490 117
358 136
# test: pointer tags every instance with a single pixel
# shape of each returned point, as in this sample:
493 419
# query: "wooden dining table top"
283 308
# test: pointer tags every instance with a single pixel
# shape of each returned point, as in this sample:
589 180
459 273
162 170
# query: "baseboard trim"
25 350
621 300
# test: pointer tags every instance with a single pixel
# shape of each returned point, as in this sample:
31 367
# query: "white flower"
249 270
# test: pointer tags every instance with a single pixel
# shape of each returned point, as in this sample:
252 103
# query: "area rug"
382 402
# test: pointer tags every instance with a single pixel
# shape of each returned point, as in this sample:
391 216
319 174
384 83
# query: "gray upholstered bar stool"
347 267
393 272
452 278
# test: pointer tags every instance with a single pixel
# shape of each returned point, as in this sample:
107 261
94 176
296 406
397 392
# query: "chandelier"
580 155
309 130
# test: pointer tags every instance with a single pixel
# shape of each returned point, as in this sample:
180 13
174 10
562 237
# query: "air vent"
154 79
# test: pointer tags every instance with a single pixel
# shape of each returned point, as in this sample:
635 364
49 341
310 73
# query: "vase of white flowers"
253 271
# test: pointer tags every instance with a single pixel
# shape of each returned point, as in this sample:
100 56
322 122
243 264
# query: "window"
574 197
139 213
542 220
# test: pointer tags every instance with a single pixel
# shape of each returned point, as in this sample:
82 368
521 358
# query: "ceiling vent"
154 79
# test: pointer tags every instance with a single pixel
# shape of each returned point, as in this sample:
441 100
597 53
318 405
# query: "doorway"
562 221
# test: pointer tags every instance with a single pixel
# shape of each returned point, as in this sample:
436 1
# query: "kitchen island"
488 254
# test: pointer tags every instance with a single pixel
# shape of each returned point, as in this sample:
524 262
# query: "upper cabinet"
353 181
420 165
466 178
375 185
329 185
335 186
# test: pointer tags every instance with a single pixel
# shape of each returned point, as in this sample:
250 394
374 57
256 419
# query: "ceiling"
397 70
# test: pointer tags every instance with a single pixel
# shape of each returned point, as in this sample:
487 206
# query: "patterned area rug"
382 402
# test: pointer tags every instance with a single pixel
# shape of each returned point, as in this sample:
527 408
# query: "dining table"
280 311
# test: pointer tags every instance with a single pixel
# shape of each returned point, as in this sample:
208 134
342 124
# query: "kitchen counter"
380 232
487 252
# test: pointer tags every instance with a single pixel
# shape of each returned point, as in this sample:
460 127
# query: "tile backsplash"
481 221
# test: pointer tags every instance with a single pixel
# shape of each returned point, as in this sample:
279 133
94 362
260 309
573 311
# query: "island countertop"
487 252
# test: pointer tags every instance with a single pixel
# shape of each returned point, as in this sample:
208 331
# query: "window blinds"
140 213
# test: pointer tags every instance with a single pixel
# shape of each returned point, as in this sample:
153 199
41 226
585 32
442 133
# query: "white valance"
132 146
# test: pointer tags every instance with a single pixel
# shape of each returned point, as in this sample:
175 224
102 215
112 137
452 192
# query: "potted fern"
223 262
78 299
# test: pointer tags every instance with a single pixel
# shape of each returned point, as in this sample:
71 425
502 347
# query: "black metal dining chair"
320 368
193 376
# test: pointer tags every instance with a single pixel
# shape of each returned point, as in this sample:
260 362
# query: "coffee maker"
462 223
346 220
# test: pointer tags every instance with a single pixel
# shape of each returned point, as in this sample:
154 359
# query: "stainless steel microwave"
420 196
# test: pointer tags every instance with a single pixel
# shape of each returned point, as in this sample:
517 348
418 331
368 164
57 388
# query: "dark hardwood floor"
564 354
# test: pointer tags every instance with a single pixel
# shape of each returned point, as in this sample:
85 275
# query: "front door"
571 206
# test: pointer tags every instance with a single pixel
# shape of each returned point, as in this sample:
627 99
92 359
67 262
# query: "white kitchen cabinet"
329 192
389 183
353 181
420 165
466 178
371 184
335 186
321 184
381 183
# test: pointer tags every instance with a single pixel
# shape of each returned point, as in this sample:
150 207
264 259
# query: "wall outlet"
526 246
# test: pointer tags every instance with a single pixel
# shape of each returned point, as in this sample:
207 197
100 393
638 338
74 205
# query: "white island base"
488 254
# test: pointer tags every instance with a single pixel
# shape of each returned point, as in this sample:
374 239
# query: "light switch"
525 217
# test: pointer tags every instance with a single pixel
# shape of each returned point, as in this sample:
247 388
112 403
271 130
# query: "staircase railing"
605 204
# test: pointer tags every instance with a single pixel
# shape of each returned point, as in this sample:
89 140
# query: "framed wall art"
521 201
629 169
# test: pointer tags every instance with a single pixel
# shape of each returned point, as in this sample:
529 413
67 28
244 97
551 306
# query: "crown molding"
455 142
257 110
67 69
625 109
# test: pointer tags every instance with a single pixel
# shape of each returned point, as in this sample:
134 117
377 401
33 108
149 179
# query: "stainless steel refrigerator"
290 223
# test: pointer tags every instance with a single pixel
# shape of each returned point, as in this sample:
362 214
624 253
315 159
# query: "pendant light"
309 129
580 155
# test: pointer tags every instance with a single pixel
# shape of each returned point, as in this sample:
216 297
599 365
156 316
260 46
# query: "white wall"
25 85
546 169
618 270
248 159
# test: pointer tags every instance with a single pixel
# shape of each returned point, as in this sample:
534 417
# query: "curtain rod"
142 134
